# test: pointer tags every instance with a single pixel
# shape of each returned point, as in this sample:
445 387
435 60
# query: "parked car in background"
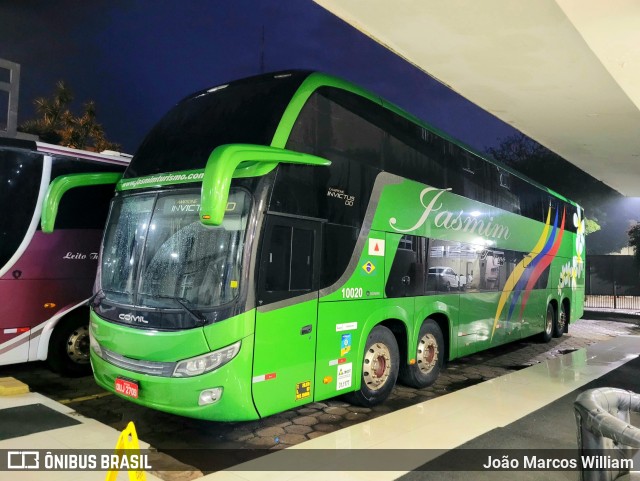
446 278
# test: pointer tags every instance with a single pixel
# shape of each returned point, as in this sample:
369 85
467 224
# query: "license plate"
127 387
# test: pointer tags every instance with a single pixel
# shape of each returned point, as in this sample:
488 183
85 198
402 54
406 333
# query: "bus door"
286 318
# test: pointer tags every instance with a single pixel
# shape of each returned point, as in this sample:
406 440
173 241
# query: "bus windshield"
157 254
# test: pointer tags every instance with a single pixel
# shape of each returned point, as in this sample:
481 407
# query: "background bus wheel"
560 324
429 357
379 368
69 347
549 324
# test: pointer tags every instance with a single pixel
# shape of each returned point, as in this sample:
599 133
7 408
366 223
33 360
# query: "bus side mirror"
234 161
61 185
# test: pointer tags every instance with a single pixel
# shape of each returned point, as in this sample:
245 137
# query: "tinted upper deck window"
20 172
245 111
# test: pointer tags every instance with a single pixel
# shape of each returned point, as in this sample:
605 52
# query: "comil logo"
23 460
133 318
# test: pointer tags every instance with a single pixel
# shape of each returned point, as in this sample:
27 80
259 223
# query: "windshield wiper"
96 298
196 315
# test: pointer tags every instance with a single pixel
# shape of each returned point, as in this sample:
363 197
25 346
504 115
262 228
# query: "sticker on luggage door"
344 376
376 247
303 390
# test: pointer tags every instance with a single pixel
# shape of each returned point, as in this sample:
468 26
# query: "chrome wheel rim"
377 366
428 351
549 325
78 345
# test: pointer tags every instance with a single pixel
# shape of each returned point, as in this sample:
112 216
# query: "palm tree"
56 123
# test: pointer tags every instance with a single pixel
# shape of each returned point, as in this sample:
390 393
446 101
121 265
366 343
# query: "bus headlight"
93 342
207 362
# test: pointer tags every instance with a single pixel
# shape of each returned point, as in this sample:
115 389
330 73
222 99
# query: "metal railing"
612 302
612 282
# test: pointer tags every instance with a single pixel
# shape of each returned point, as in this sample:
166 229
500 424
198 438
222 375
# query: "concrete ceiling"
564 72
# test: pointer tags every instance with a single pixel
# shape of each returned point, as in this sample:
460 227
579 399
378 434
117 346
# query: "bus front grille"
153 368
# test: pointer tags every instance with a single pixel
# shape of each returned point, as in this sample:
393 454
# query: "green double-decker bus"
290 237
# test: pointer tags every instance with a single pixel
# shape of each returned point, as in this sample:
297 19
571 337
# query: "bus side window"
338 243
289 260
444 266
20 173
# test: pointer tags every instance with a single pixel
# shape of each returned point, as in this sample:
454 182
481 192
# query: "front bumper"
180 395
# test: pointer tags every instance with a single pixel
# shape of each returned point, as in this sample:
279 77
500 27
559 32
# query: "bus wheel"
379 368
561 323
429 357
69 347
549 324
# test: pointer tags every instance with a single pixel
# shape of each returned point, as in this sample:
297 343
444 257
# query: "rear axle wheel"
429 357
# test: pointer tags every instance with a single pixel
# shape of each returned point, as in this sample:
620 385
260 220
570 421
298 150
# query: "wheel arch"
400 331
53 322
443 323
554 302
442 315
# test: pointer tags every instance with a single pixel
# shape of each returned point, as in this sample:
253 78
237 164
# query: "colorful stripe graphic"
542 262
528 270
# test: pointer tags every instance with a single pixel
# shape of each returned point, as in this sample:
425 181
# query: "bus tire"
379 368
549 324
561 322
69 346
429 356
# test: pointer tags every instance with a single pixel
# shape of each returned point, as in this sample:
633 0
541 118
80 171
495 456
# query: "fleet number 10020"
352 293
